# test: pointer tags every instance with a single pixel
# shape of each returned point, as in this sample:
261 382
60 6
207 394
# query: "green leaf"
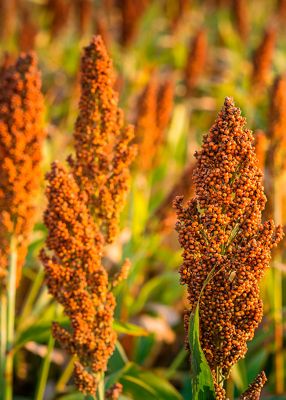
202 381
149 385
72 396
129 329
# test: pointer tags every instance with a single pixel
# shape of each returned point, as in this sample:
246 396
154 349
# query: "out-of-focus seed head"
262 59
196 60
131 13
277 112
153 115
241 18
21 139
59 13
261 145
83 11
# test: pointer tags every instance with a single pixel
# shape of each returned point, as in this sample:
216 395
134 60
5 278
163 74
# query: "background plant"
151 298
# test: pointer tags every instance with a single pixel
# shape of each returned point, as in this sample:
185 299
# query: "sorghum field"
142 199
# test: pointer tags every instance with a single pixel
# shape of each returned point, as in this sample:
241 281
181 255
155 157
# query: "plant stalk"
3 340
11 296
100 389
61 384
40 391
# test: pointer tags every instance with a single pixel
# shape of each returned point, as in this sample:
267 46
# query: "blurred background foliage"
204 50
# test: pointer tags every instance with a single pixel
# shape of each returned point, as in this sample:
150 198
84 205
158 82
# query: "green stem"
40 391
33 293
11 295
181 356
100 389
3 339
61 384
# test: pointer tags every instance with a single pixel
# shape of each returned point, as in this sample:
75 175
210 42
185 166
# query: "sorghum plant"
261 147
241 18
103 152
275 163
226 245
82 215
254 390
262 59
153 115
21 139
274 182
131 13
59 12
196 60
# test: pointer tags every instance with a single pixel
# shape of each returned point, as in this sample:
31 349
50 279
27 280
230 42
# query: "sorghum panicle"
27 32
164 104
221 231
83 11
196 60
254 390
262 59
21 139
241 17
281 9
114 392
102 140
275 157
175 11
77 279
153 115
277 110
260 144
59 12
131 13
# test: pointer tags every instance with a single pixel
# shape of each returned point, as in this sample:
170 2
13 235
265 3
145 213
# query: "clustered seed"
76 278
102 141
254 390
153 115
221 233
21 139
114 392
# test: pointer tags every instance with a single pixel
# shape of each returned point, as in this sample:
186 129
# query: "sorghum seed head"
102 141
196 60
254 390
262 59
21 139
220 230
